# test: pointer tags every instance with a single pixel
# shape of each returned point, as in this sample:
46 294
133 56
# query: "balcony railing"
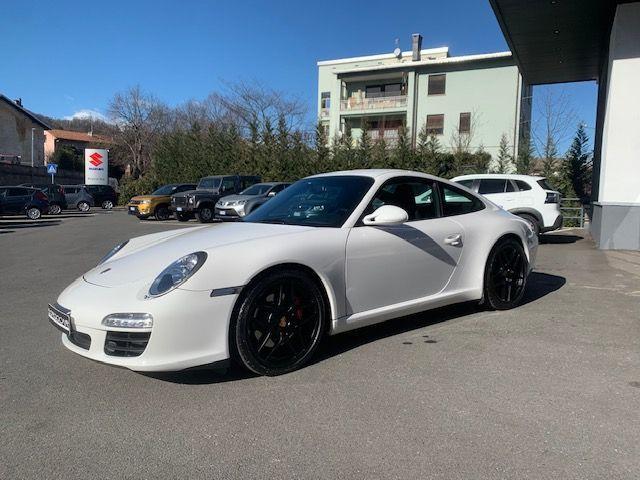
390 135
324 112
370 103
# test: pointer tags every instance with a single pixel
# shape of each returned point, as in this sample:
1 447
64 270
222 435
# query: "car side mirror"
271 194
386 215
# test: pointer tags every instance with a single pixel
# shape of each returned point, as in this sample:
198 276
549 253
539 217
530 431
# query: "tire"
280 321
84 206
183 217
107 205
33 213
55 209
205 214
532 221
505 276
162 213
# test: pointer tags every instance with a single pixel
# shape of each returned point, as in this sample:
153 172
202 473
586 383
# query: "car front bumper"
190 328
228 213
140 210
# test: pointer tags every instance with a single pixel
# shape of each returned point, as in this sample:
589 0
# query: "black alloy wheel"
505 275
280 322
162 213
205 214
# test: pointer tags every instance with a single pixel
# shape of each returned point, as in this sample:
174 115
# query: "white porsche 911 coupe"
331 253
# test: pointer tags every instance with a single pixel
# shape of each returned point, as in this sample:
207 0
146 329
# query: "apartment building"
474 98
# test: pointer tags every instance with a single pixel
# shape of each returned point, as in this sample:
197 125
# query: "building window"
437 84
465 123
325 100
388 90
435 124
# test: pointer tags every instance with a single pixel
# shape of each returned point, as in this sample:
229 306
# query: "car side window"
466 183
491 185
16 192
416 196
228 184
522 185
456 202
510 187
183 188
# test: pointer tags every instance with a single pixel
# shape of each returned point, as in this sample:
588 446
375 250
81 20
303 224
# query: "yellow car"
157 204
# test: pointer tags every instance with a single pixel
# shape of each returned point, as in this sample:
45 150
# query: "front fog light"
128 320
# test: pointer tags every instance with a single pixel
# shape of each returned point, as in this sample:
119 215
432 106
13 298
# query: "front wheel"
55 209
205 215
505 275
280 323
84 206
162 213
107 205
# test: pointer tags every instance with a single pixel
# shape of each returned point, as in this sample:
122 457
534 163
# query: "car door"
499 190
387 265
16 199
71 194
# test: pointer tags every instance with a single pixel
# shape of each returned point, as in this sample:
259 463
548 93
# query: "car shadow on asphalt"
6 227
539 285
558 238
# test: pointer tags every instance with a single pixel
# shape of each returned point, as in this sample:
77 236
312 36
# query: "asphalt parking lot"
548 390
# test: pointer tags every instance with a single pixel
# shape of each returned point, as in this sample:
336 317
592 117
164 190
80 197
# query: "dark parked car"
78 197
103 195
55 194
201 201
23 201
234 207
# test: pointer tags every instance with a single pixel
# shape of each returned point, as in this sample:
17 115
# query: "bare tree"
462 141
140 118
252 102
556 118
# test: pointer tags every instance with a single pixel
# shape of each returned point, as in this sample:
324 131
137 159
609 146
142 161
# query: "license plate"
179 209
59 319
132 209
222 212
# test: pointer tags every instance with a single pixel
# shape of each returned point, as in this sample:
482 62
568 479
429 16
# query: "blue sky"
68 56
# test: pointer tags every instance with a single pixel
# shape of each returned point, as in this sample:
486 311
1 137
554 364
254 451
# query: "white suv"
528 197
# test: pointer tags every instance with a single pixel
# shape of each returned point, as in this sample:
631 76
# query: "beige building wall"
15 136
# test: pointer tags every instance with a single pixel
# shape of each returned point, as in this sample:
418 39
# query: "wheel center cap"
283 322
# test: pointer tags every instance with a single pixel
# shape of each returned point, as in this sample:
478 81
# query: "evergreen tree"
525 157
364 146
379 154
576 171
322 151
402 154
504 160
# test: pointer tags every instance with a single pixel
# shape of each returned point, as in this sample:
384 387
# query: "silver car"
234 207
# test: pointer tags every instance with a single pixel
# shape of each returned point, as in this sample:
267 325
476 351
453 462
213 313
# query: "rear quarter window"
457 202
522 185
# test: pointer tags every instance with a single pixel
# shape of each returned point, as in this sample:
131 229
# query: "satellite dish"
397 52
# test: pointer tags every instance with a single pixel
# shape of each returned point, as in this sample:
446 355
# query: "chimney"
18 101
416 46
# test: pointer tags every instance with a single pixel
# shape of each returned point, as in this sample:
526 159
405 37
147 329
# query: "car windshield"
209 183
165 190
319 202
257 189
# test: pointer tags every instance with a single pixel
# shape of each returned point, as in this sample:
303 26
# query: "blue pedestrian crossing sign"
52 168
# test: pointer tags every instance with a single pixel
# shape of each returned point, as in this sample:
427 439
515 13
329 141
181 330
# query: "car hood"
236 198
143 258
195 192
147 197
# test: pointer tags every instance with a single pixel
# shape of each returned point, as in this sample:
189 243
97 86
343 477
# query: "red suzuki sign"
96 159
96 166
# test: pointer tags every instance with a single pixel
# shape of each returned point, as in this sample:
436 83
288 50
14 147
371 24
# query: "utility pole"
33 132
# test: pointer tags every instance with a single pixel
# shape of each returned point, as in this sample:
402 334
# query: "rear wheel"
505 275
183 217
55 209
532 221
205 214
84 206
107 204
33 213
280 322
162 213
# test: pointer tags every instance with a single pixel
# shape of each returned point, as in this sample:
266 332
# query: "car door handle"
454 240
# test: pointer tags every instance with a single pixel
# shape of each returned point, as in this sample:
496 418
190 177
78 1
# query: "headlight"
177 273
113 251
241 202
145 202
191 199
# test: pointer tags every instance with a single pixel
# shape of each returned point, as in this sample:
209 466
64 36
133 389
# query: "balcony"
324 113
359 104
388 135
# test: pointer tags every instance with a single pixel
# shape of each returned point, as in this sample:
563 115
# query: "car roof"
377 173
512 176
